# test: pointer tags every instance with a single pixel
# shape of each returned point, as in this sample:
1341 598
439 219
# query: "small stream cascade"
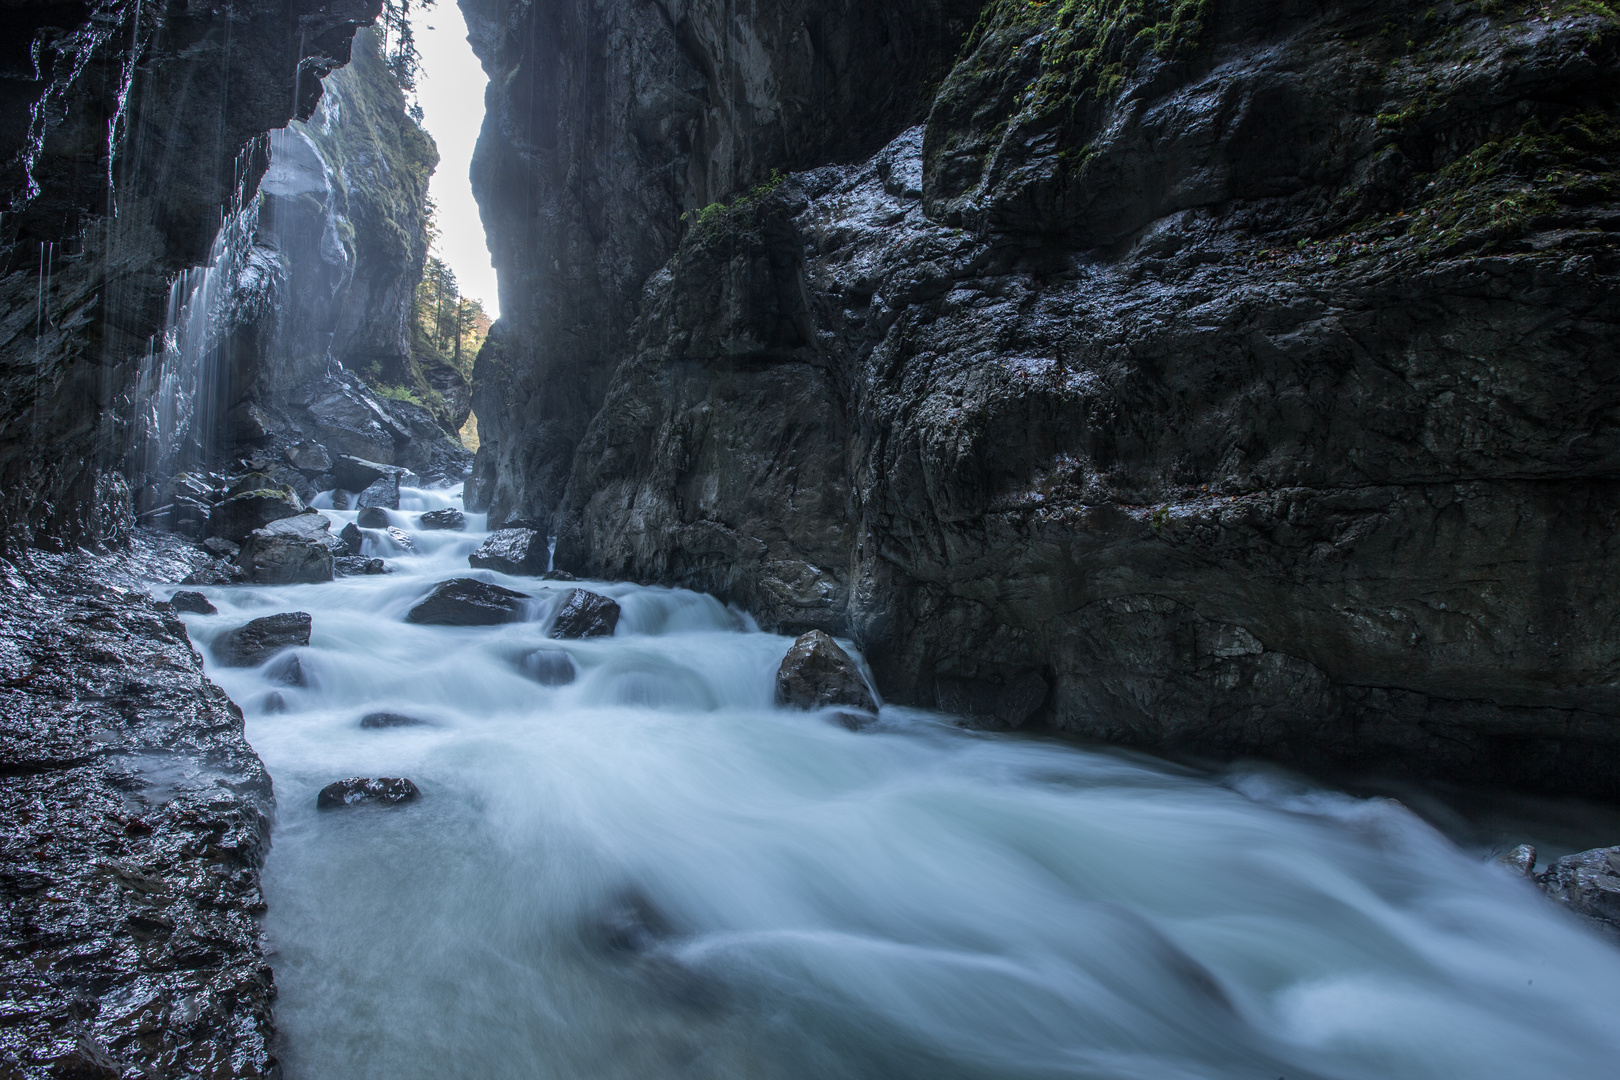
653 871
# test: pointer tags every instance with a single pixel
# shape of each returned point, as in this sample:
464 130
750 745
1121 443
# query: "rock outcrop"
291 551
134 819
1223 378
1587 884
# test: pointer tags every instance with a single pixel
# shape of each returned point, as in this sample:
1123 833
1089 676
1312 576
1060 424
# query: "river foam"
654 872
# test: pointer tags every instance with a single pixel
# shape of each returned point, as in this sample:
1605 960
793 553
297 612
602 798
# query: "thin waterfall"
179 392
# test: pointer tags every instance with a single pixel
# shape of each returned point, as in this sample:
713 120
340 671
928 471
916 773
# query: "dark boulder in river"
194 603
513 551
372 517
256 642
816 673
1589 885
468 602
351 538
448 518
585 614
383 493
357 566
361 791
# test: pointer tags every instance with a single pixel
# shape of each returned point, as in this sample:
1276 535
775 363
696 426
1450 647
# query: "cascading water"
653 872
178 391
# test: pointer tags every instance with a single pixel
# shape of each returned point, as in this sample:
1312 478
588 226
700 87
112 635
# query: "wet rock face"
1588 884
238 516
722 95
133 822
585 614
469 602
257 641
70 157
358 791
817 672
1189 374
524 552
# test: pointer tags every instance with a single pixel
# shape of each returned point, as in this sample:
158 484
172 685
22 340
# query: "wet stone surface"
586 614
468 602
363 791
133 821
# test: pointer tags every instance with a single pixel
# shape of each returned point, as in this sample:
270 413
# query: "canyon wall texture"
1232 377
127 127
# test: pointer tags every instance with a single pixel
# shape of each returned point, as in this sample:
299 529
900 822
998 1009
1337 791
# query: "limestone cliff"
1232 377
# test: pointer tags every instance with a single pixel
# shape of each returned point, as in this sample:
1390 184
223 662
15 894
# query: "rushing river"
653 872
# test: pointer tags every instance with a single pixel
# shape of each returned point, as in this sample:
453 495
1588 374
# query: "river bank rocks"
447 518
585 614
817 673
521 552
134 818
469 602
236 517
255 642
360 791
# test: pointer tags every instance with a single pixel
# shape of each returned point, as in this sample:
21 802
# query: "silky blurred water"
654 872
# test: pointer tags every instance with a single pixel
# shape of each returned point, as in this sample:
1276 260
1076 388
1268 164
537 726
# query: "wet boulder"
585 614
400 539
221 548
237 517
447 518
351 539
254 643
193 603
513 551
356 474
389 720
290 551
372 517
1587 884
363 791
469 602
1521 861
382 493
549 667
817 673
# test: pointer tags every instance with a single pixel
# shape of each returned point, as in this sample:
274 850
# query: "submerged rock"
549 667
1587 884
290 551
469 602
257 641
362 791
357 566
400 538
447 518
585 614
389 719
287 670
194 603
237 517
816 672
557 575
513 551
372 517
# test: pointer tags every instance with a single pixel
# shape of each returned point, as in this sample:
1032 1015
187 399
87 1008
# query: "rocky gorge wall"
128 128
1231 377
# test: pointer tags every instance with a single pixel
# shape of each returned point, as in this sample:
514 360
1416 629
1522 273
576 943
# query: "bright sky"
450 88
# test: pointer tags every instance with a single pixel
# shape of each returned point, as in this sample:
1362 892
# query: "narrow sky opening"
450 87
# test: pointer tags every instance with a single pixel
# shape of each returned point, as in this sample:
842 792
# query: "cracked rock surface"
133 822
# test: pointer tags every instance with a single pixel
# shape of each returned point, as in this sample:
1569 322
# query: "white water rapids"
654 872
